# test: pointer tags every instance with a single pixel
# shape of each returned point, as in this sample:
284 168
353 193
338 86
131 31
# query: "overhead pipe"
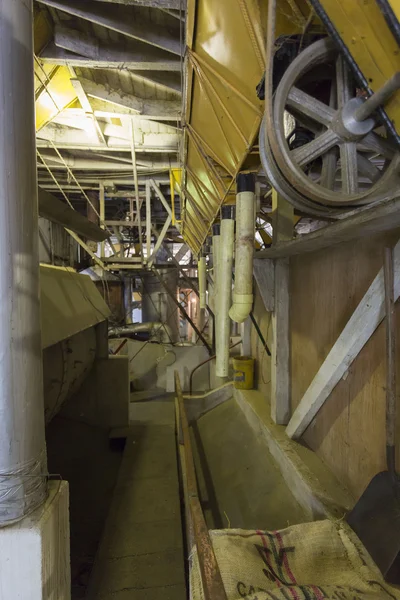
244 250
224 286
23 464
155 328
202 274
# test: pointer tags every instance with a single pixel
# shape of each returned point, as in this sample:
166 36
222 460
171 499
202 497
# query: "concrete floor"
239 482
82 455
141 555
137 511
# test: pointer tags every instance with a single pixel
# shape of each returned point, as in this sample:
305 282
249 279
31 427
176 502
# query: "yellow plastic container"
243 372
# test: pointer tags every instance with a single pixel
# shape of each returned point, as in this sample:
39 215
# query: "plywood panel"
348 433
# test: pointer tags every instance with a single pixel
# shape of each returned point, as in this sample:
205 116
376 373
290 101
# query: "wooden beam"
84 100
76 41
58 56
369 221
160 109
181 253
66 133
159 241
86 247
123 56
264 274
128 22
360 327
55 210
280 350
110 58
174 4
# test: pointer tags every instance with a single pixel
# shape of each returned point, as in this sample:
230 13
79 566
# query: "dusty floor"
82 455
141 555
240 484
136 512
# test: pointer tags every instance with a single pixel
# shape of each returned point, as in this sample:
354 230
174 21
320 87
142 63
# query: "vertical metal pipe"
22 442
128 300
102 215
225 259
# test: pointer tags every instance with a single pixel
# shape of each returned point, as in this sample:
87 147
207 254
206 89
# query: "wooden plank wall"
326 286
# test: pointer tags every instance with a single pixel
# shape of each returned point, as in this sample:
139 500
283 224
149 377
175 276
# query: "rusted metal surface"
213 586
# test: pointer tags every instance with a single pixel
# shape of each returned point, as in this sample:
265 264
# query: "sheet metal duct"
71 309
157 305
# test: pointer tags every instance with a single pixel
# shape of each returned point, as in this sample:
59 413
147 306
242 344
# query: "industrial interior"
200 202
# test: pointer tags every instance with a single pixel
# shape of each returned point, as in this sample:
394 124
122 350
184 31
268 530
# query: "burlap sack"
312 561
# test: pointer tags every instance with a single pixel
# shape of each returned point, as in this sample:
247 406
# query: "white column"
22 442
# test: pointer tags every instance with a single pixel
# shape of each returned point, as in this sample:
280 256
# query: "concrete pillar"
22 442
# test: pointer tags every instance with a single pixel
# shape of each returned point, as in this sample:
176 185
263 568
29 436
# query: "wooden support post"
361 325
280 351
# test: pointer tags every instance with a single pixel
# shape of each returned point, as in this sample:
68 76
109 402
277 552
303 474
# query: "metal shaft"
378 98
22 442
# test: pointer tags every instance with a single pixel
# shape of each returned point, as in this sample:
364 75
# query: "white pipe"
244 252
224 293
202 282
23 467
215 253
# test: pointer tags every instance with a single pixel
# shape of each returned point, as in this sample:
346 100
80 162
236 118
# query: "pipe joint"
241 307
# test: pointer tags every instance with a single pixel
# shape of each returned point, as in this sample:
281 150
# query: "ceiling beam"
85 103
158 109
117 139
139 62
151 3
100 164
55 210
129 22
132 55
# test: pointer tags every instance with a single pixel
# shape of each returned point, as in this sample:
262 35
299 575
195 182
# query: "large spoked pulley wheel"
319 152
